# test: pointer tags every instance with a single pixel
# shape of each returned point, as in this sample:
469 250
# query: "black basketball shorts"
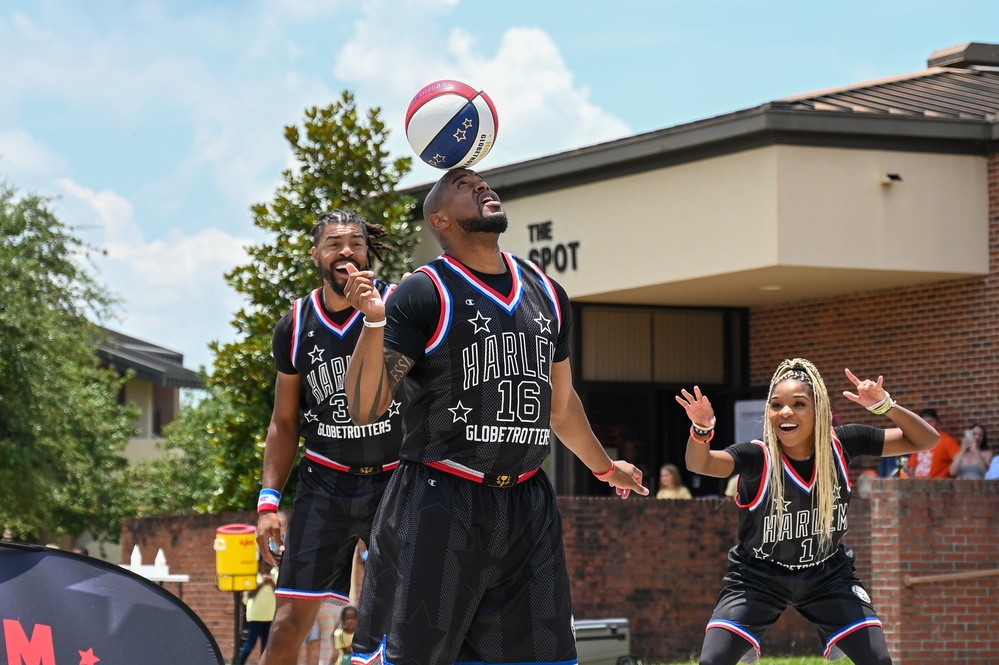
332 509
756 592
462 572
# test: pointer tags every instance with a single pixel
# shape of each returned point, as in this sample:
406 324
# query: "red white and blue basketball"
451 124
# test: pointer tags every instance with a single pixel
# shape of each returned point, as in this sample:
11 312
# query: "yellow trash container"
236 562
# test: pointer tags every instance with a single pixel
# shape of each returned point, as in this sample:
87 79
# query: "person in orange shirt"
934 463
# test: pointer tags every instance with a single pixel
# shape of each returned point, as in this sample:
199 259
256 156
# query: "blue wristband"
268 501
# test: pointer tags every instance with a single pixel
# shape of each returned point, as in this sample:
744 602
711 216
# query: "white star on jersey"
460 412
316 354
546 324
394 408
480 322
310 417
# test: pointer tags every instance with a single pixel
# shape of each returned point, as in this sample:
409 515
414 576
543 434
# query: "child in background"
343 636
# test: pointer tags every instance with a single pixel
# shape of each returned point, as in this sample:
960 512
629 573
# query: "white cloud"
22 156
223 102
541 108
173 290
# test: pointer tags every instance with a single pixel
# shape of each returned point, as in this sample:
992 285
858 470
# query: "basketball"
451 124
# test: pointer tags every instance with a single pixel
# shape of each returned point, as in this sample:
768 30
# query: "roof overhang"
159 366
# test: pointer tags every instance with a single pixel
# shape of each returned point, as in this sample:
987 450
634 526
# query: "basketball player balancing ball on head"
794 491
466 556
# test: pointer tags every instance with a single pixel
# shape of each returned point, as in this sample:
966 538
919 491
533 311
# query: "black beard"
329 276
492 224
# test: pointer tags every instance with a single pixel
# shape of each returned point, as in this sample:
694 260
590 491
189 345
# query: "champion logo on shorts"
859 592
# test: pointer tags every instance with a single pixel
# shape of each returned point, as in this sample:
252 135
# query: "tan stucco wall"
815 221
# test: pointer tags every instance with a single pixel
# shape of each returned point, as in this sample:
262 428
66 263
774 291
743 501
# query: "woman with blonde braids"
794 492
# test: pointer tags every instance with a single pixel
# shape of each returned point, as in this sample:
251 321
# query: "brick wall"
934 528
187 542
660 564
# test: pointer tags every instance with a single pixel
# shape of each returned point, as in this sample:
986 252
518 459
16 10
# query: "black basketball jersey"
793 541
481 394
320 348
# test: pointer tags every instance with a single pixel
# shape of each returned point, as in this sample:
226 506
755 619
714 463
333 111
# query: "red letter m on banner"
22 651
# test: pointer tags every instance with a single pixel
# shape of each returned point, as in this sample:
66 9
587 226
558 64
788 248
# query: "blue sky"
155 125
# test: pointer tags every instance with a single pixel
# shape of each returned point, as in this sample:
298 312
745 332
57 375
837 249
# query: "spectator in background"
973 459
934 463
313 641
259 610
343 636
670 484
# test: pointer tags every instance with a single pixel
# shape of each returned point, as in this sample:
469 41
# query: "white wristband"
374 324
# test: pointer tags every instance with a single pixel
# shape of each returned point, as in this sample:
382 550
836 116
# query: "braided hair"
373 233
804 371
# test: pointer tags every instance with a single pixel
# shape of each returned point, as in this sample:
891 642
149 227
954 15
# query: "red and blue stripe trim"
447 310
508 302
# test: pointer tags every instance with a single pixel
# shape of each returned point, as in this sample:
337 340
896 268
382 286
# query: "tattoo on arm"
397 366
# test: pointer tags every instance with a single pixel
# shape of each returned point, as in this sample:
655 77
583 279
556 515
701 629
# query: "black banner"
60 608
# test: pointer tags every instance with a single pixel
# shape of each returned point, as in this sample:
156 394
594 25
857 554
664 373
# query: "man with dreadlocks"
794 491
346 467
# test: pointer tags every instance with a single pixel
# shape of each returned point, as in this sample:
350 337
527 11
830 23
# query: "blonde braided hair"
826 479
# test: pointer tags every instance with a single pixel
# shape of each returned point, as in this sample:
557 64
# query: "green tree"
188 476
342 162
61 427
